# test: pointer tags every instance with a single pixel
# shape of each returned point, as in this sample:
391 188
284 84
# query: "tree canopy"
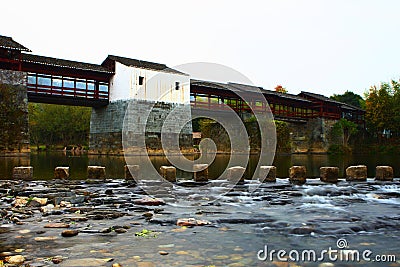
345 129
281 89
350 98
383 108
59 125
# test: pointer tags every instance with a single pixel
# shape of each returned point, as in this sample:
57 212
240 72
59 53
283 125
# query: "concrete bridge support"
138 122
312 136
14 135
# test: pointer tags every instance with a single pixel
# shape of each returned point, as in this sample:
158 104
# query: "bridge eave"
64 100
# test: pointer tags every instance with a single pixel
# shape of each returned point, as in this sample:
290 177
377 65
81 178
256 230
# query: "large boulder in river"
69 233
200 172
16 259
96 172
329 174
149 201
297 175
168 173
23 173
235 174
356 173
131 172
61 173
191 222
384 173
267 174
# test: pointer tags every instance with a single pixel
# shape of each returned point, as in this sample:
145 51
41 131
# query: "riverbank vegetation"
383 111
340 135
350 98
56 126
382 121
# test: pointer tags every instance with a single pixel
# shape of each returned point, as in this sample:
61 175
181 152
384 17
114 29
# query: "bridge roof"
130 62
237 87
56 62
251 88
213 85
329 100
8 43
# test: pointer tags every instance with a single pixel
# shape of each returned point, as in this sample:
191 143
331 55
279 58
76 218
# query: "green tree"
283 143
344 129
281 89
59 125
34 125
382 108
396 108
350 98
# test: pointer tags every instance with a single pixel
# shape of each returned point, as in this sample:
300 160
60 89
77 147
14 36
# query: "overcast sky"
322 46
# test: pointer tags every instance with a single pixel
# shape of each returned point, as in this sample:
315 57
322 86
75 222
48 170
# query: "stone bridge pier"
312 136
14 134
139 122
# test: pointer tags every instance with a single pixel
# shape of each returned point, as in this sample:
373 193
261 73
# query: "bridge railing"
238 107
66 86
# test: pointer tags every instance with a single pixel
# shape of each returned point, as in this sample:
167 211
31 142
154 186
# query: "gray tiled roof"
320 97
251 88
330 100
144 64
237 87
8 43
213 85
56 62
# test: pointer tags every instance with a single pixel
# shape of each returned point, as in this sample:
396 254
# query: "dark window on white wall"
177 85
141 79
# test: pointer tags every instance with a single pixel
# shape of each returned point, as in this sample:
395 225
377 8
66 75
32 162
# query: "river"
45 162
359 222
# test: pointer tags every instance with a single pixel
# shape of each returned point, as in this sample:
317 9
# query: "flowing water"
245 224
44 164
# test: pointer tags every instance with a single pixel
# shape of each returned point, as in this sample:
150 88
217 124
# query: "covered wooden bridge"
284 106
59 81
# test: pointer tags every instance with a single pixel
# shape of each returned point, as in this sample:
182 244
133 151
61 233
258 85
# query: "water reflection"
44 164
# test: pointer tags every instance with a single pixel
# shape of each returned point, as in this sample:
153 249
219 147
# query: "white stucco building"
142 80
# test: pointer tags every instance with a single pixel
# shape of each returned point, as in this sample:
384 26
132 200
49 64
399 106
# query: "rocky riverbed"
115 223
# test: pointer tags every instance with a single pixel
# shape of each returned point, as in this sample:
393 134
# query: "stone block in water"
200 172
61 173
96 172
356 173
297 174
235 174
168 173
23 173
131 172
329 174
384 173
267 174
